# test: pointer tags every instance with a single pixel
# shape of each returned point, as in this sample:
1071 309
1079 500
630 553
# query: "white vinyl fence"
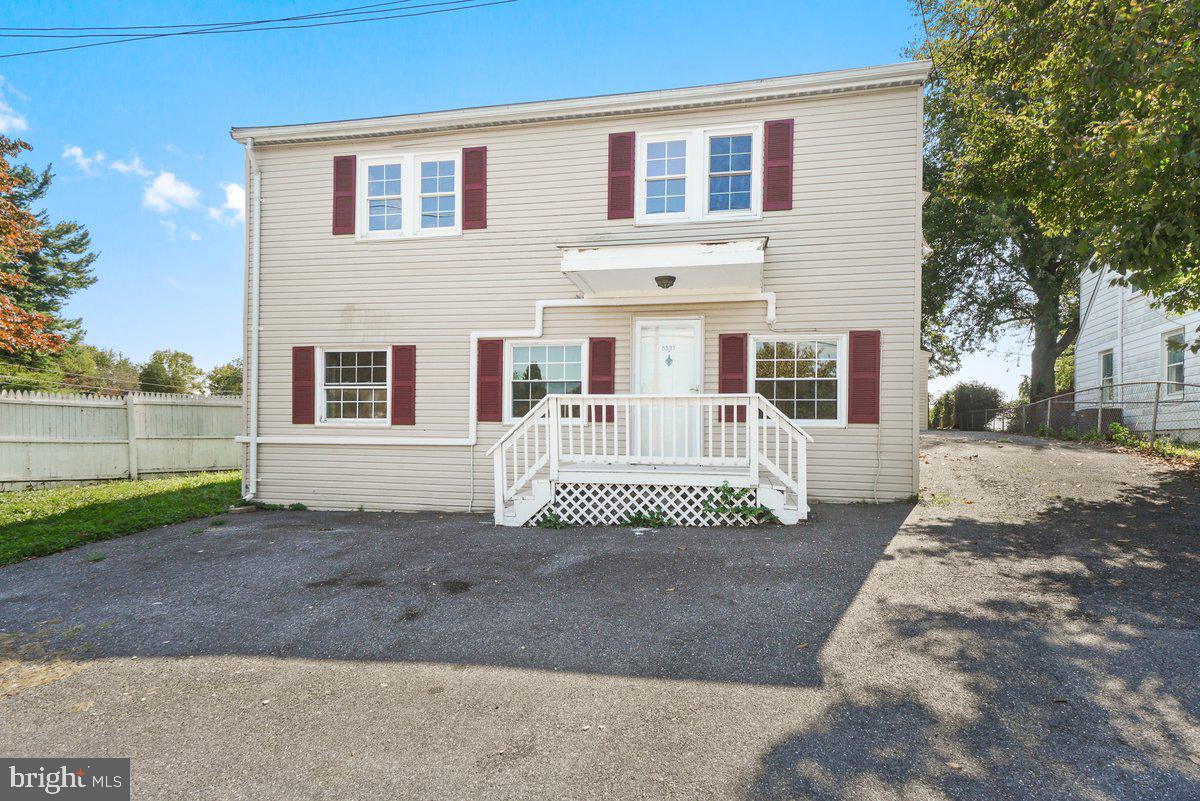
46 437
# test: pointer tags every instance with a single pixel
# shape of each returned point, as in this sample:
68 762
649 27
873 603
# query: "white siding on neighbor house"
1125 322
846 257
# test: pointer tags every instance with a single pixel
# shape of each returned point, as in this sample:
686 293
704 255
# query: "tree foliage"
41 264
170 371
226 379
1085 113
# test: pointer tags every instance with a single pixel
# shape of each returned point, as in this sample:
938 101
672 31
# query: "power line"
334 12
70 374
228 29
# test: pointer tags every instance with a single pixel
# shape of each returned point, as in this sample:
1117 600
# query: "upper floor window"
385 197
408 195
437 194
729 172
666 177
1174 347
703 174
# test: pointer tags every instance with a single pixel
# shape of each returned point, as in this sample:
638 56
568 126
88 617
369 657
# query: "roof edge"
759 90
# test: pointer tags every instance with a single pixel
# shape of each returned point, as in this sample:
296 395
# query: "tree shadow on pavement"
1072 675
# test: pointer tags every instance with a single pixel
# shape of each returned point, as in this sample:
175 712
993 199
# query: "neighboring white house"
592 307
1135 352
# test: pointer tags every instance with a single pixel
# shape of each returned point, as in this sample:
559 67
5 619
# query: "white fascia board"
765 89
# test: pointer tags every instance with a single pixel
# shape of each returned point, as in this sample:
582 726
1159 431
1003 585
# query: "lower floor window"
355 385
541 370
1174 362
800 376
1106 375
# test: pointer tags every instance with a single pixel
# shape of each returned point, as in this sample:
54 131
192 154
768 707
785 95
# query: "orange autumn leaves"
20 329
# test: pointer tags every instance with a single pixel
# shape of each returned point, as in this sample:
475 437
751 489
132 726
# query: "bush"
1044 430
1121 435
955 408
1091 435
1069 434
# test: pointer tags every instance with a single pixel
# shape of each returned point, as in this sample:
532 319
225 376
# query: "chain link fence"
1151 409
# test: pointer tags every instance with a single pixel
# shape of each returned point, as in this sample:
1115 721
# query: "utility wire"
66 373
334 12
227 29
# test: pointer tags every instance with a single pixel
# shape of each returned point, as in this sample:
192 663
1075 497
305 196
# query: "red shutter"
777 165
474 188
732 353
864 377
489 401
344 169
404 385
602 372
304 385
620 175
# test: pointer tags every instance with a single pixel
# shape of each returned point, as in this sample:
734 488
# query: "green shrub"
1069 433
1121 435
552 520
735 502
1091 435
957 407
654 519
1044 430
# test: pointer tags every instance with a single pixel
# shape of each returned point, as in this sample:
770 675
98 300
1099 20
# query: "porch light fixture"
664 281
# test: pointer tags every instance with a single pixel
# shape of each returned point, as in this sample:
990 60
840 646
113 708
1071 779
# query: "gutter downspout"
255 262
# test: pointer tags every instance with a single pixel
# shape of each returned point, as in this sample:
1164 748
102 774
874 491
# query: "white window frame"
1107 382
1174 393
410 199
528 343
696 197
351 422
843 370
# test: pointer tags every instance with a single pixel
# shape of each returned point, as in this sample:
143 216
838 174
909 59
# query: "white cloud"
171 228
166 193
132 166
233 210
11 120
193 236
89 164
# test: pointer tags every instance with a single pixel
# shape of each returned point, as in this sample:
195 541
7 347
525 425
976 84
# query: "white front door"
669 358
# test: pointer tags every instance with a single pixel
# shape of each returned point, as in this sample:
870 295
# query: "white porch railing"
743 434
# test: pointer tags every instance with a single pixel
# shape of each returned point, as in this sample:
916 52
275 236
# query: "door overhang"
690 268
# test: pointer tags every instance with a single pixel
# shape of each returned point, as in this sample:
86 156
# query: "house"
1134 359
590 307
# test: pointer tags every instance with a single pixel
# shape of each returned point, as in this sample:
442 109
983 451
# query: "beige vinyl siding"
845 257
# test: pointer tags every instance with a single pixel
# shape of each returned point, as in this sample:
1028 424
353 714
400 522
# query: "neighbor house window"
541 370
404 195
702 174
803 376
385 197
354 383
1106 375
666 177
437 194
1173 361
729 172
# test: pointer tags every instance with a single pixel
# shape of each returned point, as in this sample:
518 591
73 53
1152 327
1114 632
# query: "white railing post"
553 442
498 471
131 433
752 435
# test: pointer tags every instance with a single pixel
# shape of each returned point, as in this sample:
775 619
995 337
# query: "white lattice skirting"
610 504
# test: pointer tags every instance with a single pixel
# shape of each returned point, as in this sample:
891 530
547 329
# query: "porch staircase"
595 459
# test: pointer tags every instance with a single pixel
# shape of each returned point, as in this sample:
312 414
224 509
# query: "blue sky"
163 202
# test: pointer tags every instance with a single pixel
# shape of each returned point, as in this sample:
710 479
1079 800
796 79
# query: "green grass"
41 522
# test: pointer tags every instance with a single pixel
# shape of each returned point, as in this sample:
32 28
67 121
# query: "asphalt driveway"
1028 632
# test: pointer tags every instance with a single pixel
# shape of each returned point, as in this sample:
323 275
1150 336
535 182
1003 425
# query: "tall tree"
1084 112
226 379
170 371
60 266
21 330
